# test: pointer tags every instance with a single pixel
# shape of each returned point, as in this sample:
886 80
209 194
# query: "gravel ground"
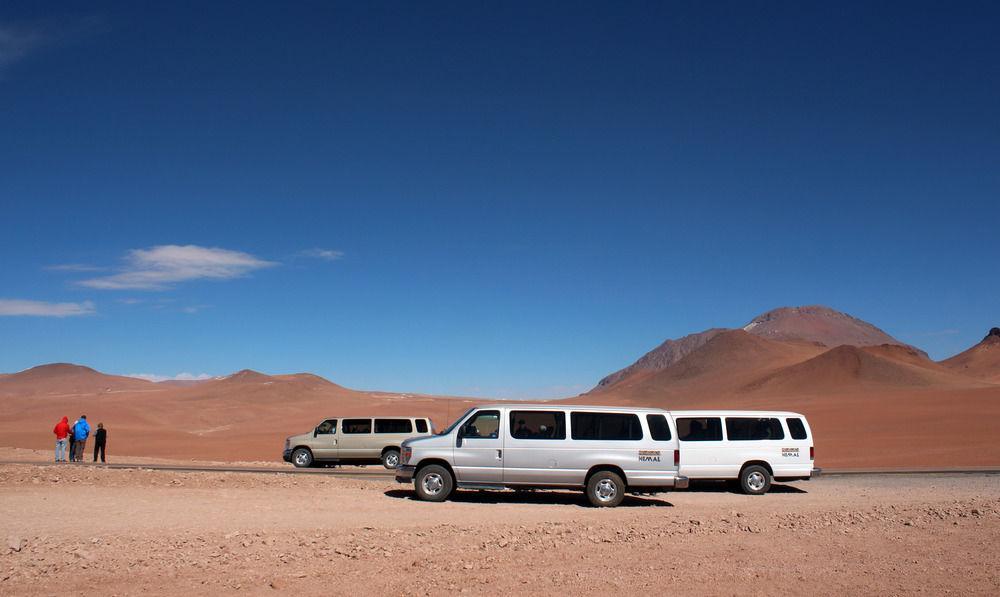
89 530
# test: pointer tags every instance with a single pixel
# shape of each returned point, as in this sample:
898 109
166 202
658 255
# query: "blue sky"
501 200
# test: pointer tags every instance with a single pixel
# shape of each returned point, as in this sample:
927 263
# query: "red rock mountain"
819 324
815 325
982 361
662 356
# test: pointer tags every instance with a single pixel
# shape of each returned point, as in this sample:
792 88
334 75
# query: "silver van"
606 451
355 440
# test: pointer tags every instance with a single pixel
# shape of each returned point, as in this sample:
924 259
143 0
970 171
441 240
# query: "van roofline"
377 417
550 406
734 413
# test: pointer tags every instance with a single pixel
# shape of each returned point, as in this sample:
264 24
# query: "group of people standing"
71 440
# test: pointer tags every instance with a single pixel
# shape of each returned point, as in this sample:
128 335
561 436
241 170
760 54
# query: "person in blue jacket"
81 431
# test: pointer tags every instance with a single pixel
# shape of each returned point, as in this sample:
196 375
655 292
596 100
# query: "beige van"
355 440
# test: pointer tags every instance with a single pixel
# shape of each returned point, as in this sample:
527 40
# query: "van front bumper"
404 473
286 455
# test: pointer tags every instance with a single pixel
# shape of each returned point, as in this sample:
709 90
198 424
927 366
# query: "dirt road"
166 532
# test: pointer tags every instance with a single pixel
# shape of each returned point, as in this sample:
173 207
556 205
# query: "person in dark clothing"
100 441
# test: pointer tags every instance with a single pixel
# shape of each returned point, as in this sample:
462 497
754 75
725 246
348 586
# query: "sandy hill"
64 379
849 368
243 416
982 361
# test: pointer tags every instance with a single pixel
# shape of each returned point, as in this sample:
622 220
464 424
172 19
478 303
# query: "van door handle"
499 454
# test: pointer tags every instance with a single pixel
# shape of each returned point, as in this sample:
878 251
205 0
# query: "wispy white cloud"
161 267
17 42
179 377
74 267
25 308
194 309
326 254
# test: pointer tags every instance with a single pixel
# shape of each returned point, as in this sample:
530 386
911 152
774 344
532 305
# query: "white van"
753 447
606 451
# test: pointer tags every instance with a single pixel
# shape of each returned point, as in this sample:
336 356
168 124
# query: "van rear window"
606 426
658 427
699 429
421 425
393 426
796 428
753 429
356 426
534 424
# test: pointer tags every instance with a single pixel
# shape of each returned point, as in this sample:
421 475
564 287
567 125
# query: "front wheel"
302 458
390 458
433 483
605 489
755 480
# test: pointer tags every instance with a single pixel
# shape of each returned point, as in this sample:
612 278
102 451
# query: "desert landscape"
872 401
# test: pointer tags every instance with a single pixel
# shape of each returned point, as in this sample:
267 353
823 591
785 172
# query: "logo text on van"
649 456
790 452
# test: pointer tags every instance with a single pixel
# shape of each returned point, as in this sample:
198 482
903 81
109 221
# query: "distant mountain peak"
818 324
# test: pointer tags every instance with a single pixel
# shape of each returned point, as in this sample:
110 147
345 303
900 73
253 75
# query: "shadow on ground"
731 487
540 497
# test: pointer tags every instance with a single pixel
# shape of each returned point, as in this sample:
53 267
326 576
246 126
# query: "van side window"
796 428
421 425
740 429
704 429
393 426
606 426
356 426
483 424
327 427
658 427
533 424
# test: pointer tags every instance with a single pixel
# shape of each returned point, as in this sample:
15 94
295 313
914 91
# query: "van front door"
479 449
324 446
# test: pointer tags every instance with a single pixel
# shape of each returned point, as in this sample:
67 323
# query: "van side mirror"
459 436
315 431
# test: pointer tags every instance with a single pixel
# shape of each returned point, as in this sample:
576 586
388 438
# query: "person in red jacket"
61 431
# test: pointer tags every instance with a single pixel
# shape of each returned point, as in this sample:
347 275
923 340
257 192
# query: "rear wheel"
755 480
433 483
302 458
390 458
605 489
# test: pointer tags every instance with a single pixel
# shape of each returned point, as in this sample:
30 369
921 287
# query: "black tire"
390 458
433 483
755 480
302 458
605 489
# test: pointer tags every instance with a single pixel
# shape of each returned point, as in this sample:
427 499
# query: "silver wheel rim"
433 483
301 458
392 459
606 490
755 481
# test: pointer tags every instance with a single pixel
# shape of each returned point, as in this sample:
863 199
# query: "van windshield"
451 427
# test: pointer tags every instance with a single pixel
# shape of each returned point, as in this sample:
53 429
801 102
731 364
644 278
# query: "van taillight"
812 453
677 457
